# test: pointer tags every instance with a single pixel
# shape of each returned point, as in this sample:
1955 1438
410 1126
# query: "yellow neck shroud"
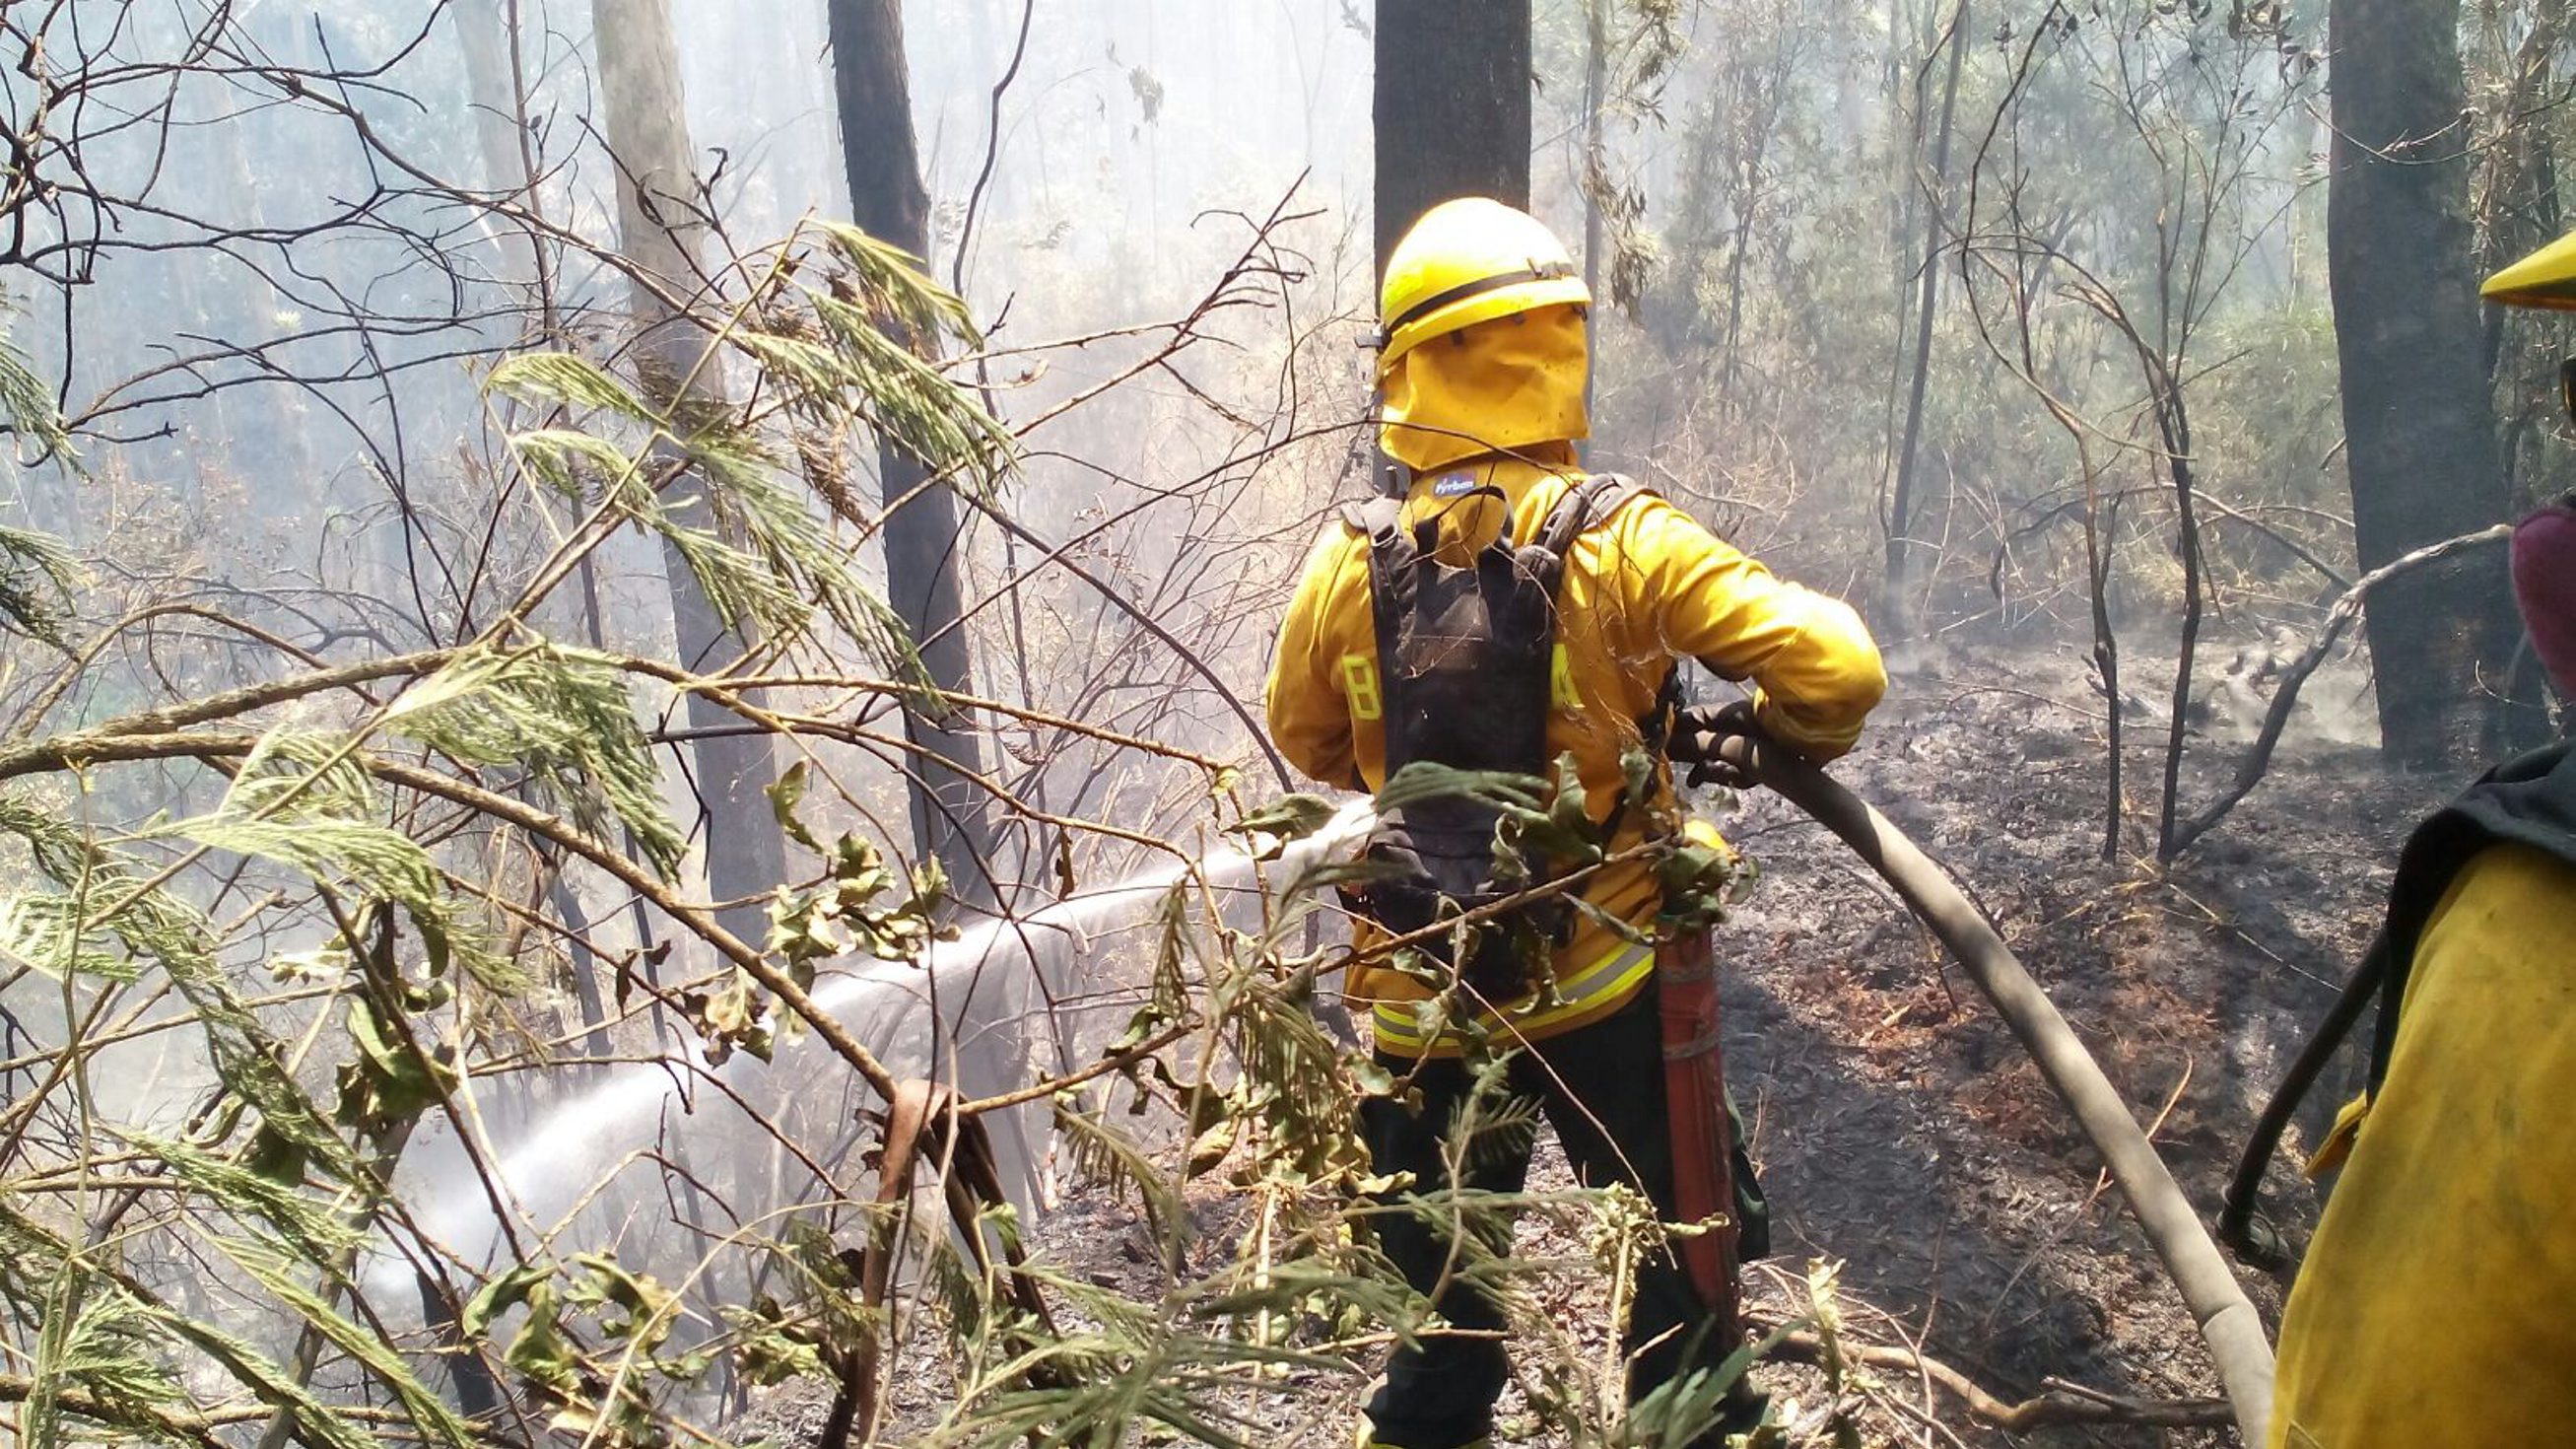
1489 388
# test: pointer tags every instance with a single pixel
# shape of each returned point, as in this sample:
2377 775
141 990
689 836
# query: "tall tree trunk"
922 533
660 232
483 43
1596 80
1453 107
1896 608
486 39
2418 418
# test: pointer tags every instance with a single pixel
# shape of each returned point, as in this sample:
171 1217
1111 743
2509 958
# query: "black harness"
1466 665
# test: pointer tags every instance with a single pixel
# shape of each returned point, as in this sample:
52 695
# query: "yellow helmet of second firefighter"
2546 278
1467 261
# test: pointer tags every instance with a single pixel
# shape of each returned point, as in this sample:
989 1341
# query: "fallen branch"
923 1129
2346 609
2296 549
2063 1404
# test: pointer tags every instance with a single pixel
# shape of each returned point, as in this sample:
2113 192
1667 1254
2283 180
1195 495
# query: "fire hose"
2226 1318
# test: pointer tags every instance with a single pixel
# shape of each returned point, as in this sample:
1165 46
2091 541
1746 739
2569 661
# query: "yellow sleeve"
1309 713
1816 671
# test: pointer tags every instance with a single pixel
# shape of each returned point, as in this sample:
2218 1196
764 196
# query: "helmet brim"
2546 278
1508 301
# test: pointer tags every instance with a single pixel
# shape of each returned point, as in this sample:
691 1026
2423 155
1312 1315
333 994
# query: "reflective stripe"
1591 991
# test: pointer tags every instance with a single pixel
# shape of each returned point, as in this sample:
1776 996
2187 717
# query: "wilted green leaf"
498 1296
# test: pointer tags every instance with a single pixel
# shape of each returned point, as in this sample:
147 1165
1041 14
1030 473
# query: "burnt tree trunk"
1596 82
487 39
2418 417
1453 107
660 231
1896 593
922 532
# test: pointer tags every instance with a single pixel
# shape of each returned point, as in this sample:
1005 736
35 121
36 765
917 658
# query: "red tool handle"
1695 1098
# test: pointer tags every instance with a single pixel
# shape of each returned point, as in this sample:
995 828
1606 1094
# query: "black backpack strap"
1392 581
1589 502
2238 1230
2527 801
1391 557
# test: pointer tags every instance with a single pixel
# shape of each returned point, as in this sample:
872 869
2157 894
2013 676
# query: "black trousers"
1602 1088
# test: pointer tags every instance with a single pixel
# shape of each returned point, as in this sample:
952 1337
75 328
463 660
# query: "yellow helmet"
2546 278
1467 261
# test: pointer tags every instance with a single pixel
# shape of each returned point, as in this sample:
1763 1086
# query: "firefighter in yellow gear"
1487 392
1481 368
2434 1305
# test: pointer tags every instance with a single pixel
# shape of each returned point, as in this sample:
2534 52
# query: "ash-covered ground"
1900 1127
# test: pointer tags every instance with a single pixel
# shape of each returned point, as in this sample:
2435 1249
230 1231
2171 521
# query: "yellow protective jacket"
2437 1304
1639 590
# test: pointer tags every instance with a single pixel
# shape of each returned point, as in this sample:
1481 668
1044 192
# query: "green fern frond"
317 1233
113 1354
296 774
51 932
795 544
124 1311
37 577
1430 780
565 380
584 468
314 1421
907 400
742 589
384 863
28 405
277 1270
809 367
883 318
1136 1362
1113 1161
894 280
156 926
304 799
562 716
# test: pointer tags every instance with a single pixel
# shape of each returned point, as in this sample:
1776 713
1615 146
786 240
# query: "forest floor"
1899 1128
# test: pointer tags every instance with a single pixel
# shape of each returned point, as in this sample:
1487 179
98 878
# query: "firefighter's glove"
1389 858
1700 736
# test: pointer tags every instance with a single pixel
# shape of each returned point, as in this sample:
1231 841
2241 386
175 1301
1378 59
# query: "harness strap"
1581 508
1596 500
1575 511
2237 1229
1391 575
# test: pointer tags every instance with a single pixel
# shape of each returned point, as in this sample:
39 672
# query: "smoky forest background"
633 808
